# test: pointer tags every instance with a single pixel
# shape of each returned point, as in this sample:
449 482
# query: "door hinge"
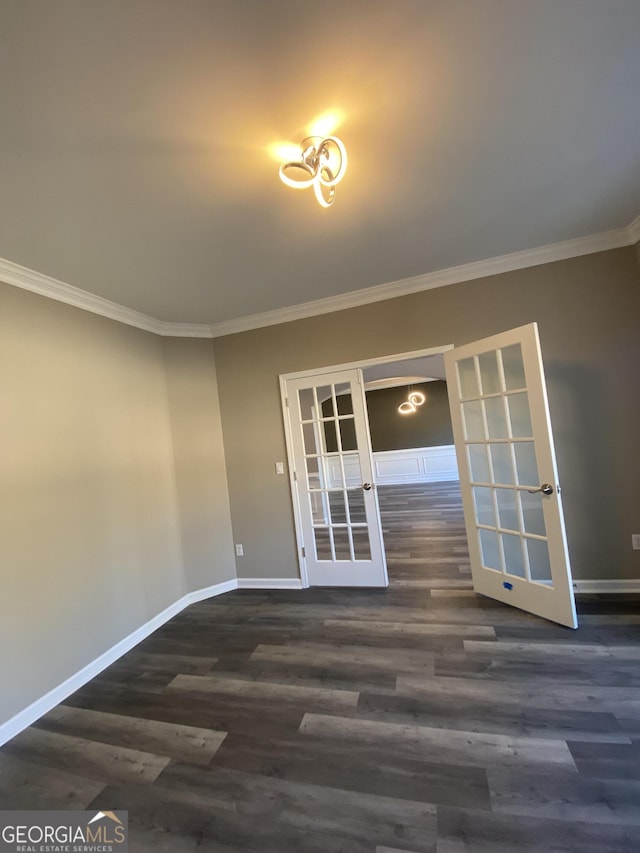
304 553
295 476
286 402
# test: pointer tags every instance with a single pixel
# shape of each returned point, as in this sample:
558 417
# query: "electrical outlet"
635 541
239 551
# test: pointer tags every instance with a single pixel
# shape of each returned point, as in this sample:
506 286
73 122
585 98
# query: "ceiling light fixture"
322 164
410 405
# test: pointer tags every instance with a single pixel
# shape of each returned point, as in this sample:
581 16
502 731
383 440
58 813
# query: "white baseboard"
269 583
41 706
608 586
209 592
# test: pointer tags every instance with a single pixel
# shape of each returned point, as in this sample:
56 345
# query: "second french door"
508 474
334 491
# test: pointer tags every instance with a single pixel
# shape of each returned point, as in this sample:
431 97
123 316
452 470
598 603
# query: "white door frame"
302 374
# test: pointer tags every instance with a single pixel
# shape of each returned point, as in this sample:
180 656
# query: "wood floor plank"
310 675
310 696
458 747
418 629
23 784
559 650
197 745
485 716
552 694
432 583
342 765
394 660
471 831
499 668
370 818
565 796
380 849
606 760
98 761
453 593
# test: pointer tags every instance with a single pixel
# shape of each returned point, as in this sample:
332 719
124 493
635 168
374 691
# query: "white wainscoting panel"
417 465
391 467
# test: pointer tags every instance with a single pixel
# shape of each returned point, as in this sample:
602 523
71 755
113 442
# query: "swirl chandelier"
322 164
415 399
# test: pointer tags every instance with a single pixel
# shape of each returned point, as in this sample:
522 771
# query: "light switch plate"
279 467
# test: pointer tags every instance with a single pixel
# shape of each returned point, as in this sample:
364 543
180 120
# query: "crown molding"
441 278
45 285
183 330
634 230
52 288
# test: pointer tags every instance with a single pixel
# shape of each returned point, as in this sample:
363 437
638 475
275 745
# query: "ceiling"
135 141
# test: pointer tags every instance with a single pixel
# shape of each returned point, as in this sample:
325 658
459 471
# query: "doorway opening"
331 416
416 473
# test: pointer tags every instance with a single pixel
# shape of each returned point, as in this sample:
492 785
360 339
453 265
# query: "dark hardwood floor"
421 718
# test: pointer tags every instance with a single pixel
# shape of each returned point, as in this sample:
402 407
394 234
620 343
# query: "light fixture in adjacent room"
410 405
322 164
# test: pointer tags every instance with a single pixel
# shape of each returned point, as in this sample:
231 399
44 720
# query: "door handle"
545 488
367 486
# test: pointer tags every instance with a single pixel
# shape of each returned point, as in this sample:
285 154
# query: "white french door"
337 514
508 475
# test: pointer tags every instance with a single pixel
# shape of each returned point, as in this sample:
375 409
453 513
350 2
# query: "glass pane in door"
501 463
485 511
489 376
337 506
306 397
323 543
490 549
513 557
357 511
533 514
343 399
526 463
347 429
473 420
508 509
519 415
361 545
496 420
479 463
539 564
325 401
468 379
310 435
513 367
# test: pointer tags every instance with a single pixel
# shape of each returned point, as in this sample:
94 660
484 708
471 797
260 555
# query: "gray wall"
201 477
428 426
587 309
94 505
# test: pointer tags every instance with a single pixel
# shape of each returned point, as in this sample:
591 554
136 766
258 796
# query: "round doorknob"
367 487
